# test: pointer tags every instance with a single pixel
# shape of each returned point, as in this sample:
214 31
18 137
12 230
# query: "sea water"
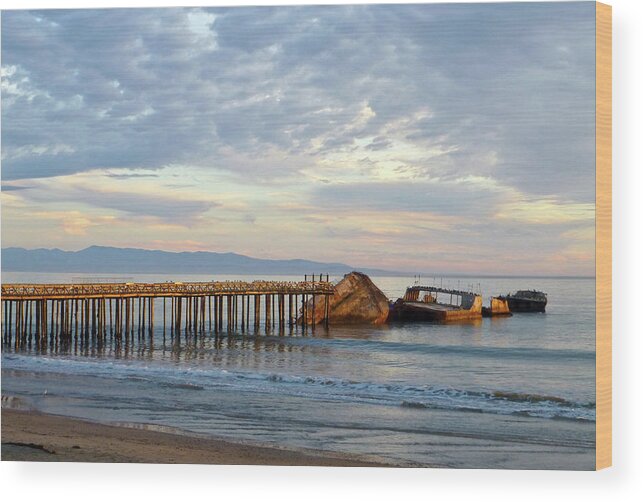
512 392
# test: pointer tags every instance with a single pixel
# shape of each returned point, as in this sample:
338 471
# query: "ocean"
512 392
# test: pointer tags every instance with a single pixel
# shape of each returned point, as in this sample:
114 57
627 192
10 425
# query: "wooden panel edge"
603 235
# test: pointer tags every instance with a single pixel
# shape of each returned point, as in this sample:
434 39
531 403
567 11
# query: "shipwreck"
498 307
527 301
429 303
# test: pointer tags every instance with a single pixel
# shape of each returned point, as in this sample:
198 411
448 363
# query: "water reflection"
144 344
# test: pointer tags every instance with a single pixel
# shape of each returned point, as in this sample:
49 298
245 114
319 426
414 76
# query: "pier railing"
162 289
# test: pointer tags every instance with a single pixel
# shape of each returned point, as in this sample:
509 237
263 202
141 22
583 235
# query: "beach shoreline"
33 436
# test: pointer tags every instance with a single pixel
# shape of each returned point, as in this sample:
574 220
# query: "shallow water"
513 392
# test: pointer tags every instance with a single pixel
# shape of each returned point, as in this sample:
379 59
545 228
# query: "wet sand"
33 436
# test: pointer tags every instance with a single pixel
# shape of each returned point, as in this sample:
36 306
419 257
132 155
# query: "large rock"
356 300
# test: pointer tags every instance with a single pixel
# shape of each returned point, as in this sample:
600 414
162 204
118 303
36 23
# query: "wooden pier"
38 312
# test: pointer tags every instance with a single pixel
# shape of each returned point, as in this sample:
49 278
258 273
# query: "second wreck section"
428 303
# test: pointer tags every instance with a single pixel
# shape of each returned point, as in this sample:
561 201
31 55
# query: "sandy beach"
32 436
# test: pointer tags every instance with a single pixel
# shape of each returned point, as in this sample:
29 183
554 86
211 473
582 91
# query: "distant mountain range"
101 259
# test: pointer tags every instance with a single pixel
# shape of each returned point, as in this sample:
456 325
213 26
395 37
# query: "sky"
452 138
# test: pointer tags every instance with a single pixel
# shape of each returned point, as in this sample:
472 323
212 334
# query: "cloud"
471 198
546 211
120 197
481 116
165 208
126 176
74 223
6 187
189 85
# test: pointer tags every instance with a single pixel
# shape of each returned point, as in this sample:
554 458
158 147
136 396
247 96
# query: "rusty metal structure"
68 311
466 307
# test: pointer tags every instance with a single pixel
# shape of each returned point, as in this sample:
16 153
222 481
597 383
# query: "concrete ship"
527 301
426 303
498 307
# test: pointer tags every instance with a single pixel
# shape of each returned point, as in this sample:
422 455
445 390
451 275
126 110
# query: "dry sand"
32 436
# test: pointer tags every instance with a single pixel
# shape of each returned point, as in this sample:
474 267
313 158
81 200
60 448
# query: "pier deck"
162 289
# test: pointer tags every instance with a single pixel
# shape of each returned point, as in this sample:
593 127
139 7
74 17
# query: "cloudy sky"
448 138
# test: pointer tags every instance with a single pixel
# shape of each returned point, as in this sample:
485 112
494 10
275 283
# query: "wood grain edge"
603 236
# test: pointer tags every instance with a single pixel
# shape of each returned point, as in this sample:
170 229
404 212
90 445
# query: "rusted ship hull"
499 307
426 312
412 309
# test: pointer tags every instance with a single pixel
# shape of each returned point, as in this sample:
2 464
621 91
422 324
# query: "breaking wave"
413 397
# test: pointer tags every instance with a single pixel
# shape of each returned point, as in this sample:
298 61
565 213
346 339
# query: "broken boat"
428 303
498 307
527 301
